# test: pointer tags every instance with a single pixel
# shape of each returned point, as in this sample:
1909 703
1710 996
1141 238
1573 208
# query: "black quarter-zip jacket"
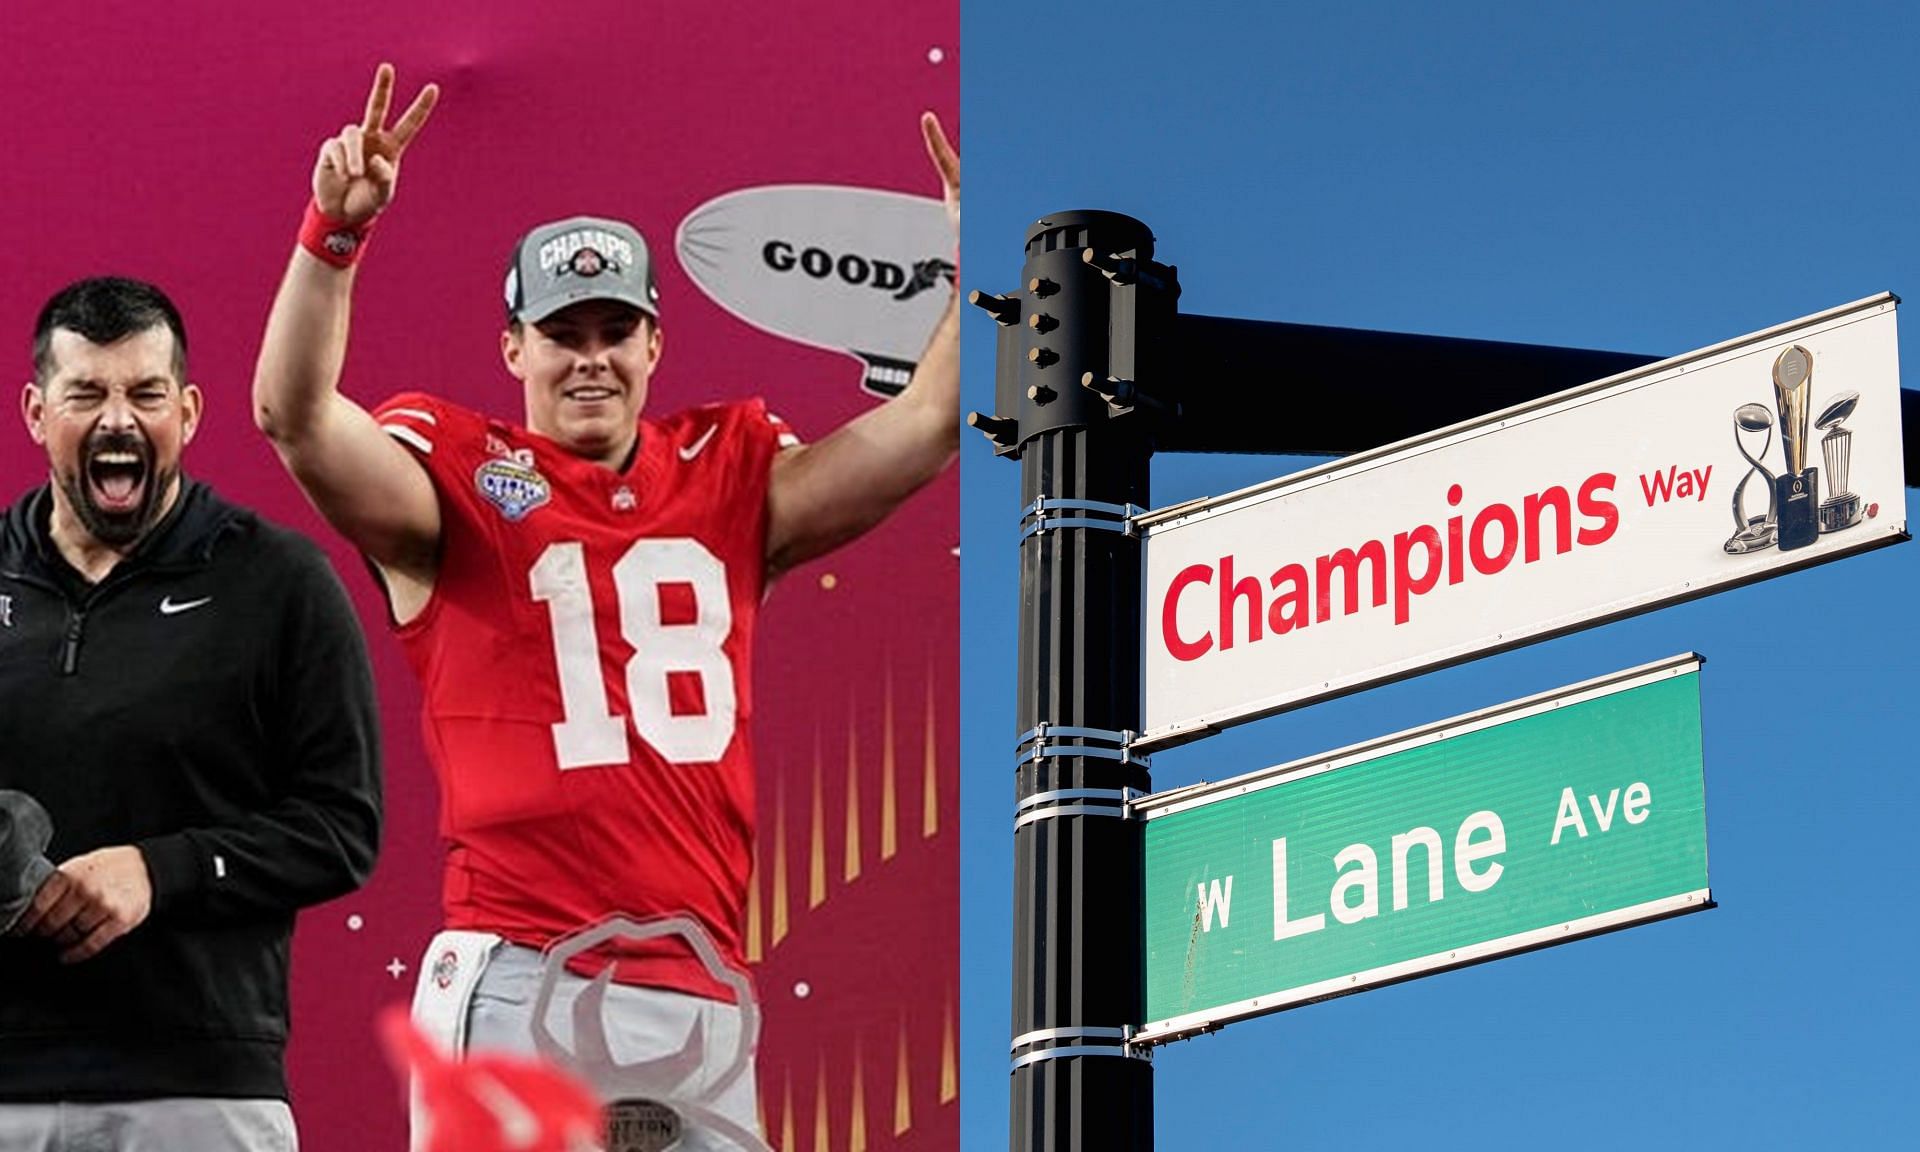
208 701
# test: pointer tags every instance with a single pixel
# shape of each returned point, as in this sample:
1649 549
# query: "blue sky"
1650 178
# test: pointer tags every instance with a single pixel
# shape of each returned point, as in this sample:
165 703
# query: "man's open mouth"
118 478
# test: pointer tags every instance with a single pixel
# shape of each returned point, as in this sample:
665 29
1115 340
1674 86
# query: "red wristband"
331 241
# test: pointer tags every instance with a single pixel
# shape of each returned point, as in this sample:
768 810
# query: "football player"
614 562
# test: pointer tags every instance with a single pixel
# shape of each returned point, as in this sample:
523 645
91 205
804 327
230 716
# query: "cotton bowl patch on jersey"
856 270
513 486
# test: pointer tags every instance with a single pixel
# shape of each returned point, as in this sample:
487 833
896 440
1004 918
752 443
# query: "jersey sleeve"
449 442
784 435
758 436
416 420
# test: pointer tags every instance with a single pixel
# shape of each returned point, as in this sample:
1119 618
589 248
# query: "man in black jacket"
184 690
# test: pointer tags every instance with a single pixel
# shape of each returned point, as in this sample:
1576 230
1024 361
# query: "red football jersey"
585 660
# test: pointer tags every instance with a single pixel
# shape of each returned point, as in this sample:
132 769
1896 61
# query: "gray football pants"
170 1125
646 1022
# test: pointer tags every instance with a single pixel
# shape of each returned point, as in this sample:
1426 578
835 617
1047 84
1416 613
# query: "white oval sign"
859 270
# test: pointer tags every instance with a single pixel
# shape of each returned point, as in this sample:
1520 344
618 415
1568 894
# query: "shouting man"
184 691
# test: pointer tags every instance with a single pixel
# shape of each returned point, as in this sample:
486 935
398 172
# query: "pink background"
173 141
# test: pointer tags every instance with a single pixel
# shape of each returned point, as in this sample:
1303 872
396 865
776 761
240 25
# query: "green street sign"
1532 823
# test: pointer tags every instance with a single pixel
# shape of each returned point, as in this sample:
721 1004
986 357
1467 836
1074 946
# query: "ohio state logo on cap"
587 262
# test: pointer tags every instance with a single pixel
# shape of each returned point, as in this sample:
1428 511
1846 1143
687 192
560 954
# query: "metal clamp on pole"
1035 517
1044 740
1062 1043
1116 802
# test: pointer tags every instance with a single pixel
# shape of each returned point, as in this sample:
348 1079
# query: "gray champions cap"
579 258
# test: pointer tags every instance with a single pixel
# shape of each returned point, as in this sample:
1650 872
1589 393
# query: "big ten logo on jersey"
512 484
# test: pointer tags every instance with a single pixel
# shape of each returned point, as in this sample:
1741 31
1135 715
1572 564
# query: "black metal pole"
1271 386
1268 386
1075 364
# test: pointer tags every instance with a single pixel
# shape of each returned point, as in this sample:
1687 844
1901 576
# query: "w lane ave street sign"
1533 823
1717 468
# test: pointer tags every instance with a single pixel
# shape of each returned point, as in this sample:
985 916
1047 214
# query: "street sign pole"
1091 302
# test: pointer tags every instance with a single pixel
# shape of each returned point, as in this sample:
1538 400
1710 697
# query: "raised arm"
363 482
823 495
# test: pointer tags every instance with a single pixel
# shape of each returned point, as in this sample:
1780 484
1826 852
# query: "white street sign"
1716 468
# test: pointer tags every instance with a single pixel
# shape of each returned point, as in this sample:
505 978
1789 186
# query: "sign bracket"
1086 1041
1042 740
1113 802
1117 517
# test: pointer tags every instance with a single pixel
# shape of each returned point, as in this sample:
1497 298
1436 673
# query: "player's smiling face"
585 371
114 421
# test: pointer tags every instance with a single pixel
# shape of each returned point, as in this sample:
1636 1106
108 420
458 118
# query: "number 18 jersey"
585 664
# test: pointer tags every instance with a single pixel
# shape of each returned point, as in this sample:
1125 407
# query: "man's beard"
113 528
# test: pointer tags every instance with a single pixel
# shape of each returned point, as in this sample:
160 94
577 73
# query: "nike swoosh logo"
169 608
693 449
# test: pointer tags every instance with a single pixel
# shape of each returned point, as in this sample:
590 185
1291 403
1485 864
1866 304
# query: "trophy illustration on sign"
1795 516
1841 510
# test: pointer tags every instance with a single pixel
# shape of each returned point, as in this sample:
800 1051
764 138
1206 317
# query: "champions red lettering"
1169 627
1376 571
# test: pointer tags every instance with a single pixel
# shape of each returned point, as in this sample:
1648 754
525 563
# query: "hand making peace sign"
356 171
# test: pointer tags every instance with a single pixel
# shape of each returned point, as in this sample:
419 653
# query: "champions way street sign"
1696 474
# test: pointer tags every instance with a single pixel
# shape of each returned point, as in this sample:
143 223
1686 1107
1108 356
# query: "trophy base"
1756 535
1795 523
1842 511
641 1126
